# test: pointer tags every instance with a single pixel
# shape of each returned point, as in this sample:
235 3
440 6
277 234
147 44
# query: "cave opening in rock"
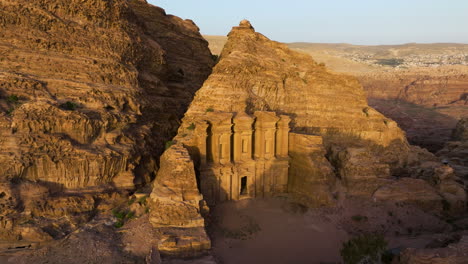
243 189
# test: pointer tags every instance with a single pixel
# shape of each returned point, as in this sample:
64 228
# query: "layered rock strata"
89 93
235 133
177 205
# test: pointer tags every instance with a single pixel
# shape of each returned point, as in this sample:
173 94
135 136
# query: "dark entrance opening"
243 189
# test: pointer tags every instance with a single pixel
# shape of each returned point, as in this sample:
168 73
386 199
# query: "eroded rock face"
91 91
460 133
426 102
455 253
176 206
257 74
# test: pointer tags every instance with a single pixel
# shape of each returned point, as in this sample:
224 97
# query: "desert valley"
127 136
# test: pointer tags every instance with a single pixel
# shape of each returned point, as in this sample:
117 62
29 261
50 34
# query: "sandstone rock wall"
311 178
90 91
177 206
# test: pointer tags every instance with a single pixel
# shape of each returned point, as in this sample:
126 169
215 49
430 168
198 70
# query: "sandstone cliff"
89 93
256 74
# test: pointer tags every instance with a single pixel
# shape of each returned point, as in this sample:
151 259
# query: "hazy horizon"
361 22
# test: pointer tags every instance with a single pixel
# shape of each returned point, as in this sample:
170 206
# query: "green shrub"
210 109
359 218
142 200
169 144
69 106
191 127
13 98
118 224
215 57
365 110
364 249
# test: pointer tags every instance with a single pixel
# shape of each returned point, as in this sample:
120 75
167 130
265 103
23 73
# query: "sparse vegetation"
68 105
215 57
191 127
122 217
13 99
142 200
369 248
359 218
365 110
209 109
390 62
169 144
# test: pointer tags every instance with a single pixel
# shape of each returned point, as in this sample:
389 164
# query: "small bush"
169 144
191 127
364 249
69 106
365 110
13 98
142 200
215 57
359 218
210 109
131 201
118 224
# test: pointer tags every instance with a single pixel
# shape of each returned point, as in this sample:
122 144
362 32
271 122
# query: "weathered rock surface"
89 93
455 253
411 191
460 133
176 206
256 74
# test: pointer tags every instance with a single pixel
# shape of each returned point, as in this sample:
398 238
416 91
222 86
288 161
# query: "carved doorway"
243 186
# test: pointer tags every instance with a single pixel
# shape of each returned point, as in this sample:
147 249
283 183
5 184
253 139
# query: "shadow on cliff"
425 126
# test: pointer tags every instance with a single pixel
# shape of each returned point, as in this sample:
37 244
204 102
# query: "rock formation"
455 152
455 253
89 93
332 127
176 206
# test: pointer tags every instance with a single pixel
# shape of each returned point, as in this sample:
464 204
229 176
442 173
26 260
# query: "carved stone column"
201 133
221 138
242 137
265 129
282 137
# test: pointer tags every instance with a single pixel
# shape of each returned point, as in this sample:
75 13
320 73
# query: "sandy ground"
285 234
276 231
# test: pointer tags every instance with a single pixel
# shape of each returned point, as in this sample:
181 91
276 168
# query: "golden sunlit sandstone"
89 93
255 85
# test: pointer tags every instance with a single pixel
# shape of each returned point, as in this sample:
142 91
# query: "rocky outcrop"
89 93
256 74
176 206
426 102
93 96
411 191
311 179
455 253
455 152
460 133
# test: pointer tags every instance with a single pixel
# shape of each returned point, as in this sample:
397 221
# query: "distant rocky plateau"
125 140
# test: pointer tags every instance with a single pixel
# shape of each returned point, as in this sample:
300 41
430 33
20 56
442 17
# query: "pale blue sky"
332 21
